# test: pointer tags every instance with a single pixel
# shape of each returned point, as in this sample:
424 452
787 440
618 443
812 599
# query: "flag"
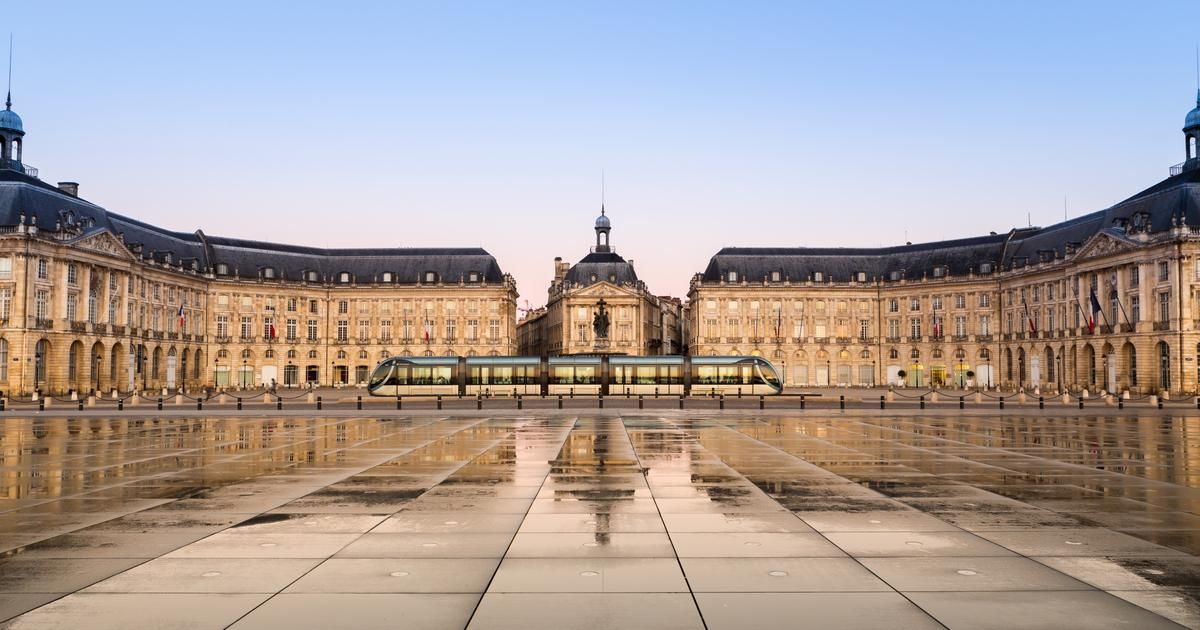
271 328
1028 317
937 327
1095 309
182 317
426 331
778 320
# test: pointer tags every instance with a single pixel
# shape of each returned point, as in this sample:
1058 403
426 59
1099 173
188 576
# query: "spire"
8 99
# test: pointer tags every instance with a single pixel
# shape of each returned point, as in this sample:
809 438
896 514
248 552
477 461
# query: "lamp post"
331 373
96 370
216 369
1059 359
243 380
873 379
989 369
828 376
962 376
37 371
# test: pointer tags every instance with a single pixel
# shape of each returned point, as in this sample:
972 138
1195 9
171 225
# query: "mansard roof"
604 267
1154 209
22 195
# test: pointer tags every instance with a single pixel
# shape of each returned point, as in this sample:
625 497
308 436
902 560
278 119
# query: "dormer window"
775 276
268 273
473 277
311 276
222 269
430 277
895 276
733 277
344 277
985 267
593 277
612 277
386 277
861 276
939 272
818 276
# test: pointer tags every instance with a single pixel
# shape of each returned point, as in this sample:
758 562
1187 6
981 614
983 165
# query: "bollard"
922 399
801 401
962 402
1197 404
641 402
739 392
478 402
81 404
1041 402
278 404
1120 403
439 402
120 404
3 403
199 404
600 399
1081 403
519 402
881 399
681 401
560 401
42 404
318 403
359 403
399 405
842 401
722 403
1160 403
1001 402
762 402
239 403
159 404
571 392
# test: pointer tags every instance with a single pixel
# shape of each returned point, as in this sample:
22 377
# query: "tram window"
646 375
502 375
585 374
620 375
399 376
563 375
671 374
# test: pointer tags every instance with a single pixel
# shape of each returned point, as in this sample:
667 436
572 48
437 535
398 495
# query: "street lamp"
1059 359
989 369
96 370
828 376
873 368
331 363
37 370
216 370
962 376
243 378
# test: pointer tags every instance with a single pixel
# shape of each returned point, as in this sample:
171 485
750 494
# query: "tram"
605 375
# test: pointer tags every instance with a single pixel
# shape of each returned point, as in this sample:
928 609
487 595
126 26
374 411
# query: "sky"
712 124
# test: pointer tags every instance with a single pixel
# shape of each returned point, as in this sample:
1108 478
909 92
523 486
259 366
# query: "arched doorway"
1164 366
1008 365
1131 364
172 367
1089 366
75 363
156 365
116 361
41 356
1021 366
1050 373
1108 361
96 367
183 368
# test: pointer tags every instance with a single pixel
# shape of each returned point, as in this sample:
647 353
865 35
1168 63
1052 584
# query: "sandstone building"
641 322
1015 310
90 299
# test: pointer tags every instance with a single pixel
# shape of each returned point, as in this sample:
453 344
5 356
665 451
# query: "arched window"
893 354
937 353
362 354
291 354
269 354
312 354
246 354
341 354
1191 152
222 354
3 361
1021 364
914 354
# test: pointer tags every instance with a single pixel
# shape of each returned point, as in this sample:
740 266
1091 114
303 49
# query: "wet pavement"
602 519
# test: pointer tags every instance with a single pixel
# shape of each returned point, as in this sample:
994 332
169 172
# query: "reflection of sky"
490 123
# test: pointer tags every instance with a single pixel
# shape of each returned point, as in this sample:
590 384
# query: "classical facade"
1108 301
638 322
90 299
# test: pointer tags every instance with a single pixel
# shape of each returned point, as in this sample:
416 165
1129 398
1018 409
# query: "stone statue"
600 321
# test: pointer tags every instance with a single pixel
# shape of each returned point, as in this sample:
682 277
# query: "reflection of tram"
605 375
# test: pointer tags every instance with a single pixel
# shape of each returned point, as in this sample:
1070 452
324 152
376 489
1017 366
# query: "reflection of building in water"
92 299
1107 300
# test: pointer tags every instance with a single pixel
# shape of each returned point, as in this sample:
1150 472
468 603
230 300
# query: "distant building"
1011 309
92 299
639 322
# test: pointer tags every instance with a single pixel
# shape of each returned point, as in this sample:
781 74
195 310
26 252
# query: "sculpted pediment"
105 243
1104 244
603 289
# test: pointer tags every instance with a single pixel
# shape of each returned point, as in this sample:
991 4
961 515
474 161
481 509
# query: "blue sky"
489 124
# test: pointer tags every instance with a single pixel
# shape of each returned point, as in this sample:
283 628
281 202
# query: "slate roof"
22 194
1175 197
602 265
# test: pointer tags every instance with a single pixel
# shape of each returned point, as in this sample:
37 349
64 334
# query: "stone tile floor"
601 520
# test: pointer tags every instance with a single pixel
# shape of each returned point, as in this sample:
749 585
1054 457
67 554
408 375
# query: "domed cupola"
1191 137
603 227
12 132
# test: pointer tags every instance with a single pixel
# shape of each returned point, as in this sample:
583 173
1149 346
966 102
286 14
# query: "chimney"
559 269
71 188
